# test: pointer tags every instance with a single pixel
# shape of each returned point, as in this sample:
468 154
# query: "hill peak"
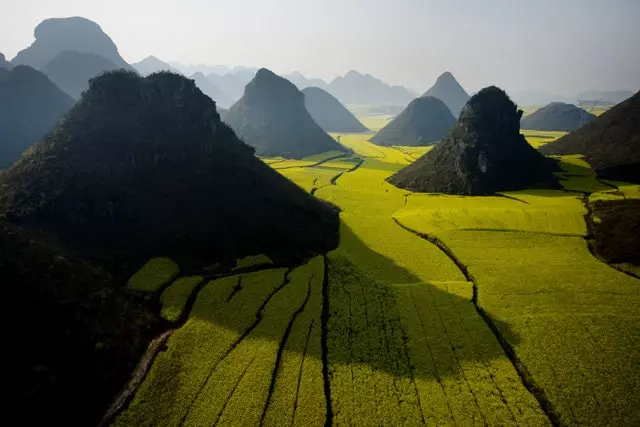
272 117
449 91
425 121
55 35
133 144
484 153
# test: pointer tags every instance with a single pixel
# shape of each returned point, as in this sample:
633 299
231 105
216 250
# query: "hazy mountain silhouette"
329 113
301 82
151 64
138 168
3 62
72 70
356 88
189 69
485 153
212 91
448 90
557 116
606 97
610 143
271 116
425 121
54 36
232 83
30 104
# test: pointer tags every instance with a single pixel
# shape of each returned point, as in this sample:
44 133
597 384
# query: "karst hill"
448 90
212 91
140 167
610 143
30 104
112 176
425 121
557 116
271 116
54 36
329 113
71 70
485 153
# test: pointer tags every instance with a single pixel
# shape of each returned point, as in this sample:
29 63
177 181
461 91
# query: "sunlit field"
434 309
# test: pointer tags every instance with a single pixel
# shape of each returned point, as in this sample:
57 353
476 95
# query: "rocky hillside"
329 113
448 90
30 104
610 143
425 121
140 167
72 70
54 36
485 153
272 117
557 116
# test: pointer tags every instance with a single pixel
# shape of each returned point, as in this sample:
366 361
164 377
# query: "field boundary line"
281 348
324 324
139 374
527 380
328 159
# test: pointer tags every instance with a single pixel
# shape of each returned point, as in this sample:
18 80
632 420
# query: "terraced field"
434 309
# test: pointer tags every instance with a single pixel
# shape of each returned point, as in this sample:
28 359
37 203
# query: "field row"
249 353
405 344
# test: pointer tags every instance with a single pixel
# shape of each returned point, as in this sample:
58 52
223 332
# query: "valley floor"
434 309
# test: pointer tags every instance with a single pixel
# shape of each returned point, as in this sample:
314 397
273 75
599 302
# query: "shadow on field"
382 316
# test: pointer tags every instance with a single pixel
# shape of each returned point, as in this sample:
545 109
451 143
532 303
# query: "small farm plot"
249 353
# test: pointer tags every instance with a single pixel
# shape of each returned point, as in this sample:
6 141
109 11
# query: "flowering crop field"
434 309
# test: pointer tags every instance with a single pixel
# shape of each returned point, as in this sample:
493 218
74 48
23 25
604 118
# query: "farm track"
337 176
521 369
139 374
328 159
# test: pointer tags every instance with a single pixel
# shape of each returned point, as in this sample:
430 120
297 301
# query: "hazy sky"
560 46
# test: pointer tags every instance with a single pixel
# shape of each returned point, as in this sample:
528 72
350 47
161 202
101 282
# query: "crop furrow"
459 364
324 321
236 288
281 347
304 355
486 366
433 359
237 342
233 390
521 369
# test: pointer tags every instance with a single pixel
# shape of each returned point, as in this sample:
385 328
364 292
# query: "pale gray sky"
560 46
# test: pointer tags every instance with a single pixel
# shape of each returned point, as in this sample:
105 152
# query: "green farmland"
434 309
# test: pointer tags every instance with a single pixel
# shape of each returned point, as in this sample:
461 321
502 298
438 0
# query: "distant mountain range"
588 98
